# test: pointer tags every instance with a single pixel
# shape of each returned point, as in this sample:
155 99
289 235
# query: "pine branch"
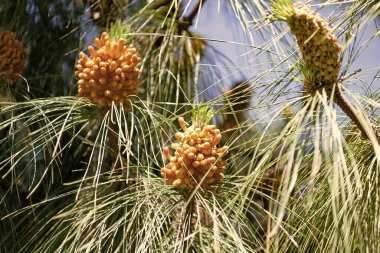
114 144
344 104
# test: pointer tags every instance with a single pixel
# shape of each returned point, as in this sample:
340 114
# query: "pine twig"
114 144
349 75
344 104
188 228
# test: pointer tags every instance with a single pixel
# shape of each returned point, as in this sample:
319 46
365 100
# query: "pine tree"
117 133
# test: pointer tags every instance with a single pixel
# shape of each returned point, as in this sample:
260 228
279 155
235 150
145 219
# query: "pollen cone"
197 159
109 73
319 46
12 61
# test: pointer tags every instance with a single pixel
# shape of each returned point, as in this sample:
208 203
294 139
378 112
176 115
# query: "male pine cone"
320 51
319 46
110 73
12 61
196 160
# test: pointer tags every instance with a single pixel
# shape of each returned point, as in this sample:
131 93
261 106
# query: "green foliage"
281 9
202 115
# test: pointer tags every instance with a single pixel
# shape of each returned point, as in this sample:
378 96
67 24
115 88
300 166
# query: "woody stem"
347 108
114 144
187 227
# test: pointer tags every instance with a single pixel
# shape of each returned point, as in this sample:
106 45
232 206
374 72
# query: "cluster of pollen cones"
319 46
197 159
12 54
109 74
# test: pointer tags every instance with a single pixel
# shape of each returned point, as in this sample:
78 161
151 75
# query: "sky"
217 21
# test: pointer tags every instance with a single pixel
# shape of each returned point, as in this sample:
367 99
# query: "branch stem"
344 104
114 145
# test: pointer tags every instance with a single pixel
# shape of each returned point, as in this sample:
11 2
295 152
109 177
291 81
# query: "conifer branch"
343 103
114 145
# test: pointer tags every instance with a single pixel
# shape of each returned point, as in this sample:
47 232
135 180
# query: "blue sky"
217 21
